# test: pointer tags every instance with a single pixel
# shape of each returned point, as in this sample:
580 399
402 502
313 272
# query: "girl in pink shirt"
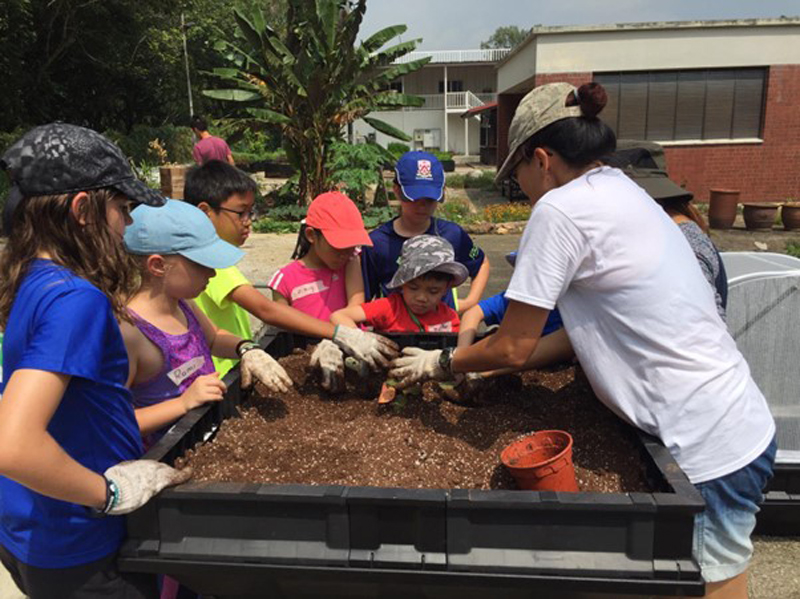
325 274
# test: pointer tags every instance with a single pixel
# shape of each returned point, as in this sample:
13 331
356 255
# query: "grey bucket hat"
427 253
542 106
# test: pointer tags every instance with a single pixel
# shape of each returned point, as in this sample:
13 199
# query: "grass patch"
793 249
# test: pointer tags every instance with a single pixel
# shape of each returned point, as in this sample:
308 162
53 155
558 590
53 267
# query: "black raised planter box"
258 540
780 512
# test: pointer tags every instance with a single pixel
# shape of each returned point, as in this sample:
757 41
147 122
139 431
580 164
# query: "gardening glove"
417 365
330 361
357 366
259 365
136 481
373 349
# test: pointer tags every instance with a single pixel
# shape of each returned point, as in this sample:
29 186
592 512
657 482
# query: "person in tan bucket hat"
627 283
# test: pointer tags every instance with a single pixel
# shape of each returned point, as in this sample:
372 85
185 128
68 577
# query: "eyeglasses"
244 215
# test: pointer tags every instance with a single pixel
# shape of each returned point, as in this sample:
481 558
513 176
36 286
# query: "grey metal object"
764 320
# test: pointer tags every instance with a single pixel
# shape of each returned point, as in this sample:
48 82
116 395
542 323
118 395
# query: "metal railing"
455 101
456 56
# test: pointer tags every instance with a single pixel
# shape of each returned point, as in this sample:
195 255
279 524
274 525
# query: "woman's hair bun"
591 97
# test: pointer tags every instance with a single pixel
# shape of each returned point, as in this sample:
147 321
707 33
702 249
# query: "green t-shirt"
226 314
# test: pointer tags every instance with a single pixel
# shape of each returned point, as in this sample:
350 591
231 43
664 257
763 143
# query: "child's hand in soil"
330 361
205 388
258 365
416 366
373 349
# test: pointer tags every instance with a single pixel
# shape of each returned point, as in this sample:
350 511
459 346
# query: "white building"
470 78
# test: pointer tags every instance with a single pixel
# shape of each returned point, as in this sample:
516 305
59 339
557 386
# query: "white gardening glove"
330 361
258 365
373 349
137 481
417 365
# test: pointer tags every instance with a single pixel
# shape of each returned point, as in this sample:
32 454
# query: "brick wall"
764 172
769 171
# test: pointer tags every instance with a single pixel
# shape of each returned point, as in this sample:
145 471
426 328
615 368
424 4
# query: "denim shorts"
722 532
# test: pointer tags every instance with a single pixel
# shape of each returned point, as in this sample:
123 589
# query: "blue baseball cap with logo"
420 176
179 228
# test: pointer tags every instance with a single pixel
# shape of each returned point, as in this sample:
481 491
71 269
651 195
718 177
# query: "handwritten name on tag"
185 370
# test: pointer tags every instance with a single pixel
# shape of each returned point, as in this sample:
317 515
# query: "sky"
463 24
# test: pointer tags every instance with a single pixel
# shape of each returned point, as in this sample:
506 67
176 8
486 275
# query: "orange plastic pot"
542 461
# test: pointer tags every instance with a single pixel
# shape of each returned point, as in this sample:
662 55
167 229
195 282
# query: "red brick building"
722 97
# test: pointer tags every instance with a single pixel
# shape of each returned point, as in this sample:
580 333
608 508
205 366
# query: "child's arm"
284 317
354 282
476 288
470 321
29 454
203 389
350 316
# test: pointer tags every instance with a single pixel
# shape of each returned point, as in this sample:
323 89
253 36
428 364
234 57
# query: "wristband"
112 499
245 345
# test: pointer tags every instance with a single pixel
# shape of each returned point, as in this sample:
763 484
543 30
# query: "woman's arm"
476 288
468 329
354 282
554 348
285 317
350 316
510 346
29 454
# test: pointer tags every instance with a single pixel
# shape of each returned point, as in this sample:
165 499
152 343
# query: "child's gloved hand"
329 359
204 388
259 365
417 365
373 349
137 481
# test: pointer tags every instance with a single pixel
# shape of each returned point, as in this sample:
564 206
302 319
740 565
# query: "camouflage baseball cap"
61 158
427 253
542 106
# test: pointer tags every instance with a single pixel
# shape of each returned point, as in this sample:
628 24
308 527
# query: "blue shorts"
722 532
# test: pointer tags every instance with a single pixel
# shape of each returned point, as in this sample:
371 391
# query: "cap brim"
508 165
511 258
423 191
456 269
346 238
138 191
660 187
219 254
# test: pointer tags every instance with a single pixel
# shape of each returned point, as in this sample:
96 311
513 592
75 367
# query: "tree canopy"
506 37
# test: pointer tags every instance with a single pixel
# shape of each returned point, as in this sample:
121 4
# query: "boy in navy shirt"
419 184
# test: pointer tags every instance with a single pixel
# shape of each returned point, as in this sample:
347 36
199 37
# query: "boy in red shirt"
427 271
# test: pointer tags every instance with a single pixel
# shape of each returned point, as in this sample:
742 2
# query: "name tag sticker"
185 370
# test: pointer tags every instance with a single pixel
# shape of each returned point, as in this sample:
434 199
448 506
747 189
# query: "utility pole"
186 66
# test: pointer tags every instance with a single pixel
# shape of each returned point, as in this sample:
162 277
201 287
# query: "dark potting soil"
420 441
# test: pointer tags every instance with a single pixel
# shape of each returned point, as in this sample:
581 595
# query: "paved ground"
775 573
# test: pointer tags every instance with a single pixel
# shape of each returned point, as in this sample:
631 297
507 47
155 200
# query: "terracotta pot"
760 217
172 179
790 215
542 461
722 208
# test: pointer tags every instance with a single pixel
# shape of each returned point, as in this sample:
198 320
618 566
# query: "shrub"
270 225
456 211
397 149
442 156
484 181
137 145
354 167
793 249
504 213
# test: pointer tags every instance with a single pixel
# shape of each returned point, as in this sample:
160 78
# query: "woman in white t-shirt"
638 313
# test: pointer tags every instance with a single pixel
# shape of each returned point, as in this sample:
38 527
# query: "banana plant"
314 80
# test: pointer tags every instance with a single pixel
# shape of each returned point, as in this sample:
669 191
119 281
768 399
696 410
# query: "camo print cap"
427 253
60 158
542 106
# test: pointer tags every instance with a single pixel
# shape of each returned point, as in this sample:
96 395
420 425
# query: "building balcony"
456 101
457 56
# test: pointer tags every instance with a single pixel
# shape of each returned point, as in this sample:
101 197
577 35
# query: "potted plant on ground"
172 175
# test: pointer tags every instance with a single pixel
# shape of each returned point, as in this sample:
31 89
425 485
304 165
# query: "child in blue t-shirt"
69 443
491 310
419 184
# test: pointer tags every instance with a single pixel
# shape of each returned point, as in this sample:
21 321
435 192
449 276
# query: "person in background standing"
208 147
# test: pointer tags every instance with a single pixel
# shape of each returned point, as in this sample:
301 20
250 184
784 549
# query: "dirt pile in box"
310 437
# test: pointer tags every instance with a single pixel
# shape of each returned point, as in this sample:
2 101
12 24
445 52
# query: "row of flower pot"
724 203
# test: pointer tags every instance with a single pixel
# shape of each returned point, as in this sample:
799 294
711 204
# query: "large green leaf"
269 116
395 71
386 57
386 128
232 95
395 99
376 40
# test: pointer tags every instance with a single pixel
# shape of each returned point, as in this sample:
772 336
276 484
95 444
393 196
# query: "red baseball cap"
339 219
